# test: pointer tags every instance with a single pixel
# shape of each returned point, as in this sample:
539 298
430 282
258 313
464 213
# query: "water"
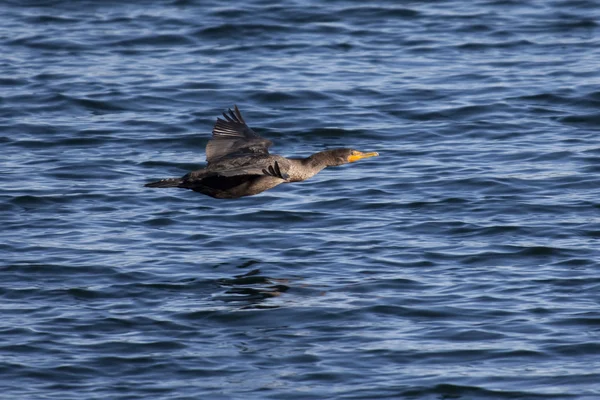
460 264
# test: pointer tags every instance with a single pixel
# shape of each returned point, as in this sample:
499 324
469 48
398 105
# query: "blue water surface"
463 263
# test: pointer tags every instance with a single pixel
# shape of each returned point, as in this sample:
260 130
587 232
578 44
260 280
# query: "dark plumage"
239 163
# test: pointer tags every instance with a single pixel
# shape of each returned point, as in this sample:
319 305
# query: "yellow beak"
359 155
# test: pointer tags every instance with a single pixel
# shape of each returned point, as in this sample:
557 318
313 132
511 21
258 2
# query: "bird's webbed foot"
275 172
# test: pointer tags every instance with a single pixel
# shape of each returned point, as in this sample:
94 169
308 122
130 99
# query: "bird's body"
239 163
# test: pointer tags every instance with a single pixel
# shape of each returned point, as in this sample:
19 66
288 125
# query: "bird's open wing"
260 168
230 179
232 136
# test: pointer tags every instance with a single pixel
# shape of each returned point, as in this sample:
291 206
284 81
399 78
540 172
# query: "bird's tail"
165 183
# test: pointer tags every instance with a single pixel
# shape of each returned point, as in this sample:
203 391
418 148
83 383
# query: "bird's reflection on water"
250 290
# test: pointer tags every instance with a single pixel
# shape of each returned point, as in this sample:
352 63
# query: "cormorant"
239 163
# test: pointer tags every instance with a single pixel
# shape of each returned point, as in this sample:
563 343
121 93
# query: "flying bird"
239 163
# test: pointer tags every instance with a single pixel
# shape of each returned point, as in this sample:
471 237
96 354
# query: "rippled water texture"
463 263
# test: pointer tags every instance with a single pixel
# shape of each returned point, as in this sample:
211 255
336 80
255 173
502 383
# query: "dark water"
463 263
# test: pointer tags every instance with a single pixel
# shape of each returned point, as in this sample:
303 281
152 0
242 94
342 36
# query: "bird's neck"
304 168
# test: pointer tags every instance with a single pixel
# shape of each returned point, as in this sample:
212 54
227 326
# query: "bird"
239 163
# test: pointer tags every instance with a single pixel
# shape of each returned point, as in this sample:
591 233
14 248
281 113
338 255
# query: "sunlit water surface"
463 263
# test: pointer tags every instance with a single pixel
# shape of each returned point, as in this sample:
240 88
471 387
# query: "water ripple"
461 263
